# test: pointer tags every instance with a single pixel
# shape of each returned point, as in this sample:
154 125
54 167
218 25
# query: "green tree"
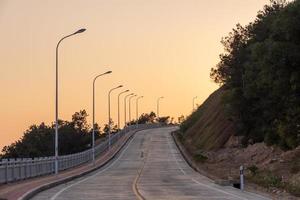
260 69
146 118
38 140
163 120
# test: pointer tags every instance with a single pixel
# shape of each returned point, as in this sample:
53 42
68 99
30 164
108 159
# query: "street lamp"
56 97
93 135
119 107
125 110
130 106
157 105
109 118
194 102
137 109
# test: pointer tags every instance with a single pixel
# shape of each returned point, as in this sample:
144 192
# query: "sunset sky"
154 48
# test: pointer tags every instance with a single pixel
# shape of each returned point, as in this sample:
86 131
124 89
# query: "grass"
269 180
293 189
179 135
208 128
253 170
200 158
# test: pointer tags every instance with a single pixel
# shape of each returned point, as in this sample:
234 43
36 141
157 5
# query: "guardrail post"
19 164
30 167
6 170
13 162
25 168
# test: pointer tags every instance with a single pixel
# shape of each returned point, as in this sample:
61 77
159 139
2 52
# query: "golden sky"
154 48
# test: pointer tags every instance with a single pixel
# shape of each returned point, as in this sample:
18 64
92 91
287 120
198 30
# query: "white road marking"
177 159
204 185
101 171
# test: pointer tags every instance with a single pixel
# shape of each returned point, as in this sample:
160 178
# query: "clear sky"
154 47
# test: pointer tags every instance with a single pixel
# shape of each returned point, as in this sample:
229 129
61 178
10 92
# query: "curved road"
149 167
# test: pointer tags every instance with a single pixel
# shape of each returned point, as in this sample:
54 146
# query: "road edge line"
28 195
185 156
201 172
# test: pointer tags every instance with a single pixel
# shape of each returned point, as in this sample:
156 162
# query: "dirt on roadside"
210 138
268 168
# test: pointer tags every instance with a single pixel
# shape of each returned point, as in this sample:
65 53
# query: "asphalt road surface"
149 167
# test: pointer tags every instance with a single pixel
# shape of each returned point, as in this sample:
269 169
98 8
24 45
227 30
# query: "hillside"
208 128
260 67
209 138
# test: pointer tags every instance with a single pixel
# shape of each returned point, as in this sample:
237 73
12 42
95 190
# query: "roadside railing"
23 168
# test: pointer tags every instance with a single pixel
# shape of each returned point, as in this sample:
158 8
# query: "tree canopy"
38 140
148 118
261 70
74 136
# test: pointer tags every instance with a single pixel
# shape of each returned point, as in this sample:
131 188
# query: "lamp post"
125 110
93 134
119 107
109 118
194 102
137 109
130 106
56 97
157 106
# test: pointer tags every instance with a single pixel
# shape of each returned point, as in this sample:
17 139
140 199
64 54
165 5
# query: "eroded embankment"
209 138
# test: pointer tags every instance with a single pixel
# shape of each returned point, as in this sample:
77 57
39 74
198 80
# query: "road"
149 167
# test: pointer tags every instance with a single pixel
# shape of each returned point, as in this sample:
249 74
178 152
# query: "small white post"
242 177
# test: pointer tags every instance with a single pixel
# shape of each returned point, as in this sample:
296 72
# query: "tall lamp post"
119 106
125 109
194 102
109 118
93 135
56 97
130 106
137 109
157 106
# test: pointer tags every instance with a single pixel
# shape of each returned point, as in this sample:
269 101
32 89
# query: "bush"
253 170
267 179
200 157
273 181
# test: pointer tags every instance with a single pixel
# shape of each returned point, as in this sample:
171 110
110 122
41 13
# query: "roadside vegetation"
38 140
254 118
260 69
272 181
74 136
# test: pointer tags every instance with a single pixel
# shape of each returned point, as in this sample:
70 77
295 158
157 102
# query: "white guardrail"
23 168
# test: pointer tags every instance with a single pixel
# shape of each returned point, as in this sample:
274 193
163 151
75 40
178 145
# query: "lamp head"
108 72
126 90
120 86
80 31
